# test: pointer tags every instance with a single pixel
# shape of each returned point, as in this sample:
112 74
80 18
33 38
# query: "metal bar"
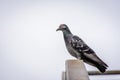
110 72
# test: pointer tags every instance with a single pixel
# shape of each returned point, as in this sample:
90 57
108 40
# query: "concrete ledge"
75 70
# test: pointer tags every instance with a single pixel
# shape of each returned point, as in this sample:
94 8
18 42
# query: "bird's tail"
101 67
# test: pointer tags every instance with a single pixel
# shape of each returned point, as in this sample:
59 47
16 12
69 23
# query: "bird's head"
62 27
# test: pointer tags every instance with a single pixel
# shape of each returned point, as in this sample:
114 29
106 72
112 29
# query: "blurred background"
31 49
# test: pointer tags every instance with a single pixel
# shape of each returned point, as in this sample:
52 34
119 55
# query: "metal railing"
110 72
75 70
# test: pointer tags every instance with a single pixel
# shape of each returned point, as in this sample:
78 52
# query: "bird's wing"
80 46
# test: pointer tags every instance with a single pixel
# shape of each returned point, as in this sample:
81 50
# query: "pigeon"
80 50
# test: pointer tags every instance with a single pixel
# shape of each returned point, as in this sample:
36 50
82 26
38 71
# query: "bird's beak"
58 29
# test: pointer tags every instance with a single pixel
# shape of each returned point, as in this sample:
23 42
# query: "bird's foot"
79 58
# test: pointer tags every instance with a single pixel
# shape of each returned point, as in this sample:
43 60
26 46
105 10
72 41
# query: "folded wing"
80 46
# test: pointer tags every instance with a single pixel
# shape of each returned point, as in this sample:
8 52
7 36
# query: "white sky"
30 47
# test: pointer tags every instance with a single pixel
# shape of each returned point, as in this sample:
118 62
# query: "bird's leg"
79 55
79 58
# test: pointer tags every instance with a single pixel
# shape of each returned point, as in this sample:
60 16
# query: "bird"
80 50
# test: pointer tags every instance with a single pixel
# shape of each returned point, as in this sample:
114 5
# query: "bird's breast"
71 50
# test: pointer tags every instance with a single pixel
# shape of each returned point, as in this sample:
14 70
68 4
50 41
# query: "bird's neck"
66 32
67 35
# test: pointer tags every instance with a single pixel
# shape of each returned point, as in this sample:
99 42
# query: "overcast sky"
30 47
